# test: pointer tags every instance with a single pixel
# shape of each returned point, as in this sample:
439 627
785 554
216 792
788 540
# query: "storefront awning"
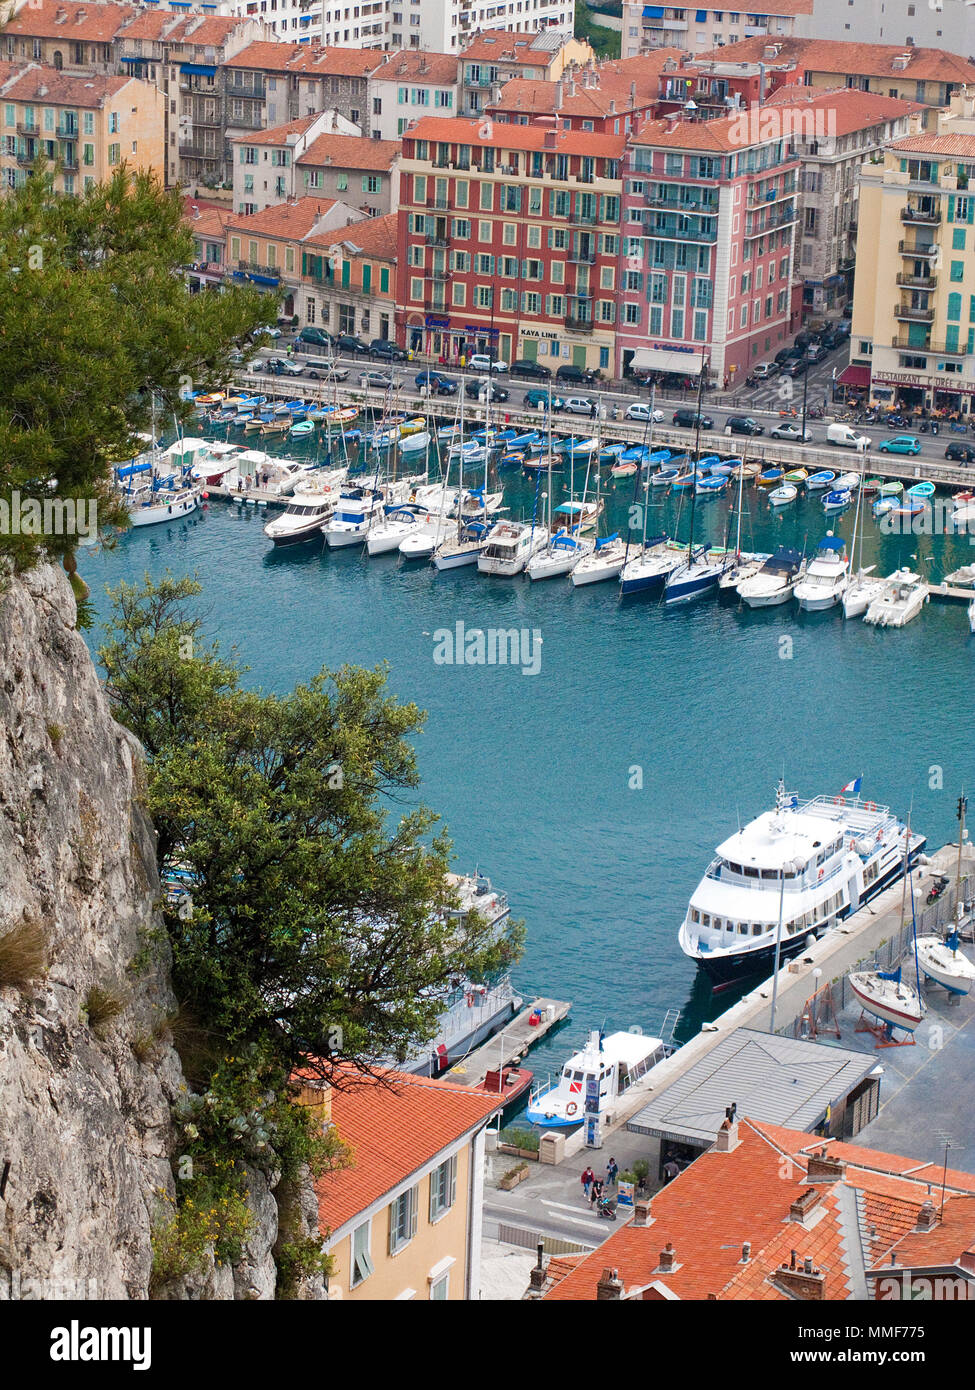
854 376
667 360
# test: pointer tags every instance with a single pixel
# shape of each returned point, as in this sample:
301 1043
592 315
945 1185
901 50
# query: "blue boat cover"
131 469
614 537
832 543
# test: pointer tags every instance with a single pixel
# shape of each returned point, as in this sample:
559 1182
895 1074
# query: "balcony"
916 252
67 132
704 208
921 217
584 219
913 314
441 204
918 282
256 91
680 234
771 224
436 241
23 129
582 257
772 195
939 349
437 275
579 325
26 161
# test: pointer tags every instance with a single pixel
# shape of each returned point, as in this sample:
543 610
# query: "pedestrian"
587 1180
592 410
670 1171
612 1172
595 1192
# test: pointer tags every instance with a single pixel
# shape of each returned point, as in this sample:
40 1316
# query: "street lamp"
791 868
805 396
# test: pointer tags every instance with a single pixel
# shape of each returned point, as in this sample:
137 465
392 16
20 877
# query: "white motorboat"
510 545
604 562
826 577
401 521
415 443
302 519
594 1078
901 599
564 551
352 518
887 997
942 961
861 591
746 565
774 582
322 480
808 864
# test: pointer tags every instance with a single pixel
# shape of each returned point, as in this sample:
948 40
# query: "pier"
507 1048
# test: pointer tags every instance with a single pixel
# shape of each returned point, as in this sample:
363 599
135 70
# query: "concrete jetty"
508 1047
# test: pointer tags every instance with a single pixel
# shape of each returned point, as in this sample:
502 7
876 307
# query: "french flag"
852 787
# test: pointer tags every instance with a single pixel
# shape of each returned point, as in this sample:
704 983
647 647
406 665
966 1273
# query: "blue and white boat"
650 565
699 575
837 500
594 1078
665 476
819 482
942 960
560 556
711 486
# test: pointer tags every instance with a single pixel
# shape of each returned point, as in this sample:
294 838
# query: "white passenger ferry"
814 862
594 1077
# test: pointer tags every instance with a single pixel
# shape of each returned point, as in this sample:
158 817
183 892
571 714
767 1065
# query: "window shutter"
453 1179
433 1195
414 1204
392 1228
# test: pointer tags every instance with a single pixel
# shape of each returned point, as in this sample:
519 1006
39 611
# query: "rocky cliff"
88 1074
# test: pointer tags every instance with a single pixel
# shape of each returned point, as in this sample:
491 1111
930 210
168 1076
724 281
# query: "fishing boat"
883 506
414 425
782 496
825 580
511 460
604 562
302 427
510 545
664 477
892 489
820 481
884 995
415 443
901 599
506 1083
770 478
922 490
748 471
609 453
847 482
279 425
624 470
542 463
354 512
711 486
581 448
302 519
942 960
872 485
345 415
596 1076
837 500
774 582
796 475
806 864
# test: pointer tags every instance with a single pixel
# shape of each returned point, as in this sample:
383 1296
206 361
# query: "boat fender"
839 800
853 844
571 1108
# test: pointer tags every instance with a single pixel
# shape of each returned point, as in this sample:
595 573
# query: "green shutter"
951 338
366 278
954 306
951 207
346 268
384 283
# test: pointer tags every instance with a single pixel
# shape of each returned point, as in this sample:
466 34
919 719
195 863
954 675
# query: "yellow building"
86 126
404 1222
914 296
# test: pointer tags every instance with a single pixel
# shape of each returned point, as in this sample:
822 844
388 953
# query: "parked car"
378 380
327 369
762 371
348 342
817 352
581 376
744 424
960 453
387 351
846 437
805 339
538 400
314 337
265 331
483 362
901 444
580 405
787 430
526 367
832 338
787 354
639 410
439 384
476 390
687 420
283 366
795 366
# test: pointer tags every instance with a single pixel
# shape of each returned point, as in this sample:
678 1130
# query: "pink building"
706 246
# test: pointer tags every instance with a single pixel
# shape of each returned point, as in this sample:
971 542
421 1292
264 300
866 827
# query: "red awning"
854 376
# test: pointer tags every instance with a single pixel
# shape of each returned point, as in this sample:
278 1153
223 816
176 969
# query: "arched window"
58 60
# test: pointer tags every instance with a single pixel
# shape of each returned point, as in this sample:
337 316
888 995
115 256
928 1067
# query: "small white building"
265 161
410 85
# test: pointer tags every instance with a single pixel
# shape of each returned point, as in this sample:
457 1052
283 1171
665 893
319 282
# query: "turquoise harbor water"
533 774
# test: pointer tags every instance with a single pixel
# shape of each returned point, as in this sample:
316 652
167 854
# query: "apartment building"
908 23
509 241
836 133
207 222
88 125
267 248
74 36
265 161
320 22
404 1221
714 87
706 252
610 98
348 279
491 59
410 85
913 330
449 25
697 30
364 173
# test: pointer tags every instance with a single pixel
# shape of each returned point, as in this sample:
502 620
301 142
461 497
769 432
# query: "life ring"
470 998
571 1108
839 800
853 844
870 805
821 872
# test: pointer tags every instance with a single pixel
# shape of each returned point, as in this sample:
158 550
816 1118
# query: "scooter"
937 888
606 1207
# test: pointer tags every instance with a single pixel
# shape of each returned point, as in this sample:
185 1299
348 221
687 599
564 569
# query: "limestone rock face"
85 1101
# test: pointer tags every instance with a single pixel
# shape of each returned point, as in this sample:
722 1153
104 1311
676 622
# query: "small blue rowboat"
664 477
769 477
611 453
302 427
710 486
818 482
837 500
921 490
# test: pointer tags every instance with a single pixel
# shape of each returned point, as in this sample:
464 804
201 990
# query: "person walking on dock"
587 1180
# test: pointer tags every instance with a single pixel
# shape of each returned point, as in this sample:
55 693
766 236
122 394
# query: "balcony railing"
771 224
24 129
584 325
913 314
907 248
918 282
706 207
584 219
680 234
939 349
436 274
771 195
436 241
925 217
583 257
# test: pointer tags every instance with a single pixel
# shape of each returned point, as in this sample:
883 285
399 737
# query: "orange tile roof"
959 145
302 58
507 136
614 83
278 134
502 46
169 27
848 109
376 237
393 1128
205 218
290 221
351 152
721 136
265 54
59 88
94 21
419 66
952 1237
842 58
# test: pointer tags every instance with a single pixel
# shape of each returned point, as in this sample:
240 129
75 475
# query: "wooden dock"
951 593
508 1047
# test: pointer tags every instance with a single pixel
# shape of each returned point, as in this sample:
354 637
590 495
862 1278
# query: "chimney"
746 1251
537 1276
668 1259
927 1217
612 107
80 16
61 15
804 1281
632 93
804 1205
610 1286
822 1168
316 1095
558 96
727 1139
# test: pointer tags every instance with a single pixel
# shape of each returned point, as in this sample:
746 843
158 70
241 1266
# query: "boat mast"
697 454
962 808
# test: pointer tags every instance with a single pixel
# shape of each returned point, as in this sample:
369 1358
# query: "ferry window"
705 919
769 873
735 868
695 915
750 872
756 929
742 928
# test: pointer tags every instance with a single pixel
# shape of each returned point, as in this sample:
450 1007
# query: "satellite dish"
690 106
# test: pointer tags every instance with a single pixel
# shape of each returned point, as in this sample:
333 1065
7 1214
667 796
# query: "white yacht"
149 506
302 519
826 578
863 588
354 514
406 519
820 859
902 597
461 545
593 1078
774 582
564 551
605 562
510 545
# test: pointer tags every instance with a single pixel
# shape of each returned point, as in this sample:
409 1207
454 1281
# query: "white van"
843 434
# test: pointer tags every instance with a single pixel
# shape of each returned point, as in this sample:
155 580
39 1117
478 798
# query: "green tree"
320 924
100 338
